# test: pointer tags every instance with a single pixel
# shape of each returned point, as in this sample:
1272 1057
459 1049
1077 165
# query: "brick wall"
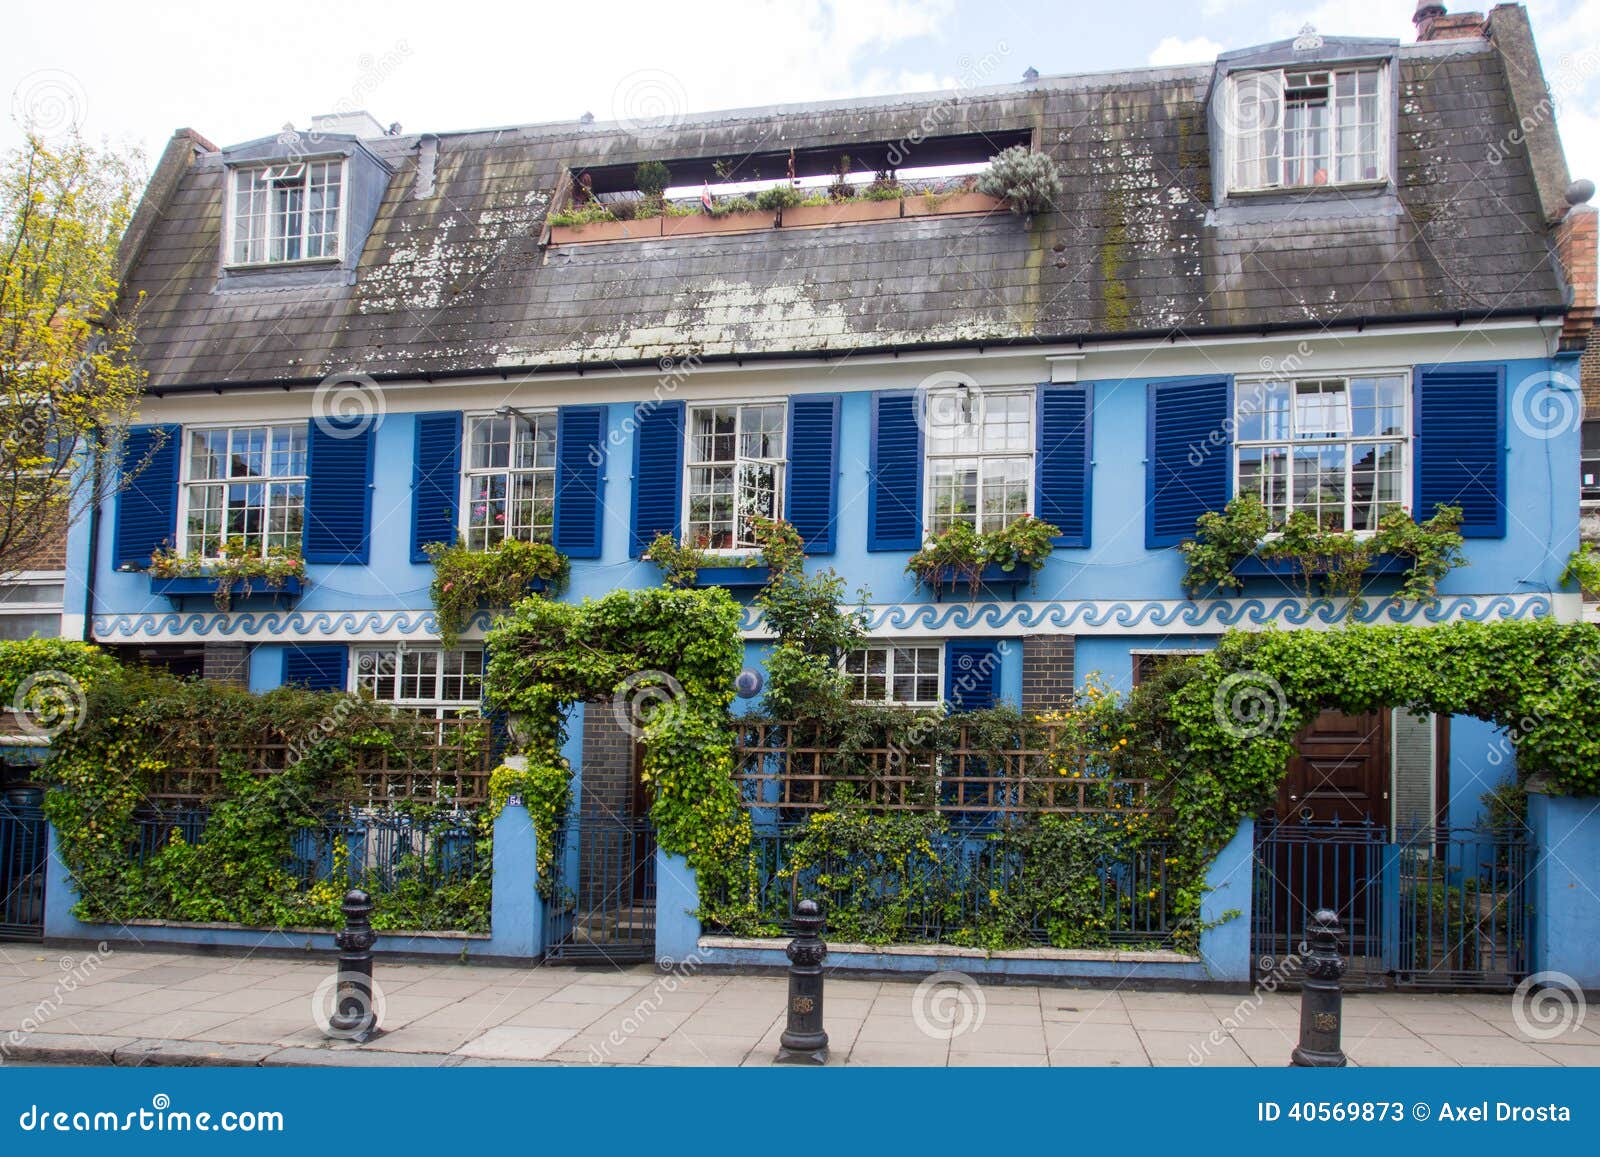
1576 239
1047 671
607 763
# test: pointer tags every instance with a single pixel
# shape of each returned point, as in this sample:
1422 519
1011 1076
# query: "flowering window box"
991 576
732 576
193 586
1287 568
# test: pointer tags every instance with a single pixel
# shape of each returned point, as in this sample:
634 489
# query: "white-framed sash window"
426 680
1305 128
979 458
905 674
244 489
286 212
734 472
509 479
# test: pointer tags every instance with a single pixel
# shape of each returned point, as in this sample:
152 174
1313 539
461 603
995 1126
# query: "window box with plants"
728 215
466 581
961 555
965 201
684 564
1242 542
238 571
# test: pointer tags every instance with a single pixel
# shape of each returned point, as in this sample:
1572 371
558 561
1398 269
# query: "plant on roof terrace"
583 214
1027 181
784 196
652 178
730 205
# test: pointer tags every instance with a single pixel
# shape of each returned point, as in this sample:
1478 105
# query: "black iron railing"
949 893
603 900
24 853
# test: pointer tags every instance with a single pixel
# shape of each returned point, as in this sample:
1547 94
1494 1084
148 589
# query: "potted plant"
467 581
597 222
959 554
1028 182
238 571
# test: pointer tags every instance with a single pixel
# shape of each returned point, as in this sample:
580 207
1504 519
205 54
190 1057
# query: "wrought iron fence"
24 853
379 851
1430 907
787 766
946 894
603 902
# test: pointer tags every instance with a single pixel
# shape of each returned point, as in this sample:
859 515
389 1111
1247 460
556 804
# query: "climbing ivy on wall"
670 657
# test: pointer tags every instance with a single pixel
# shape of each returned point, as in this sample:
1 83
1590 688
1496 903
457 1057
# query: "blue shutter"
1188 456
971 674
435 481
339 490
147 504
810 500
315 668
1461 440
657 472
894 500
1066 423
580 477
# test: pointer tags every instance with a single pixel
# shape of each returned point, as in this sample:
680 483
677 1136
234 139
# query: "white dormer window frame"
1311 127
286 213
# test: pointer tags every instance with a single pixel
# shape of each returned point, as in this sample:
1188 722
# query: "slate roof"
456 281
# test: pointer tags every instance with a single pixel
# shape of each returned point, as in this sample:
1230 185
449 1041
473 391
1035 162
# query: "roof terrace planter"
700 223
839 213
953 204
606 231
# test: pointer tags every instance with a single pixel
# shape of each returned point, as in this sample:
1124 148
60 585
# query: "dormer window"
1307 128
286 212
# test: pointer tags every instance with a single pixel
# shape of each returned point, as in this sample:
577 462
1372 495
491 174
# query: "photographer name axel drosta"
1484 1111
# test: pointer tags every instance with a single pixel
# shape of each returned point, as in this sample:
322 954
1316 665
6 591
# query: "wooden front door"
1340 771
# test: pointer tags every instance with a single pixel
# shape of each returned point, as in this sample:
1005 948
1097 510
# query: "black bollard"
1321 1002
355 1016
804 1040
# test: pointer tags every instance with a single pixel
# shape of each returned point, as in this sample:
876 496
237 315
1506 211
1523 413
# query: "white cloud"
1172 50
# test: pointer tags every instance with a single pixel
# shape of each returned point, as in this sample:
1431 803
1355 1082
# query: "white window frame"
929 457
780 467
891 646
1406 440
468 473
231 223
187 481
437 705
1383 129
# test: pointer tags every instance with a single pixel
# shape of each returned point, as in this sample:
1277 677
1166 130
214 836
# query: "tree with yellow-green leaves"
69 381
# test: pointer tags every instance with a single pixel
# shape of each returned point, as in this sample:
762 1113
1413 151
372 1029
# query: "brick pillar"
607 781
1047 671
1576 238
226 663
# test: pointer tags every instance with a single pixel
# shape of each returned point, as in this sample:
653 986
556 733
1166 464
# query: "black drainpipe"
97 476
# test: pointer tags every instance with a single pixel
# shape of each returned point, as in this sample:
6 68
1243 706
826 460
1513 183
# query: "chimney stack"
1434 23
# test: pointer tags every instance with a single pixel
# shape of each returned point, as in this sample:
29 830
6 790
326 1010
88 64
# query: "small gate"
603 906
1433 908
24 852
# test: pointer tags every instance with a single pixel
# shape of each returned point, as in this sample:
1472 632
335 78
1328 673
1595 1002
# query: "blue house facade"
1291 273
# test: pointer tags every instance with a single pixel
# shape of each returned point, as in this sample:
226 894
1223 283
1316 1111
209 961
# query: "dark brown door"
1340 771
1338 776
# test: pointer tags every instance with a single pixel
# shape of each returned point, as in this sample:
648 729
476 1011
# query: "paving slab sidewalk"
136 1007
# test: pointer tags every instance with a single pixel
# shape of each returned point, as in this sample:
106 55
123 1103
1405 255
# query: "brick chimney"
1577 239
1433 23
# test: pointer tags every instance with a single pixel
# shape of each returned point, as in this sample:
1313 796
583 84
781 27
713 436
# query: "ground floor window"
895 673
1148 664
427 680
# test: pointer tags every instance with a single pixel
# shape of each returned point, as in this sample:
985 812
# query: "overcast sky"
133 73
